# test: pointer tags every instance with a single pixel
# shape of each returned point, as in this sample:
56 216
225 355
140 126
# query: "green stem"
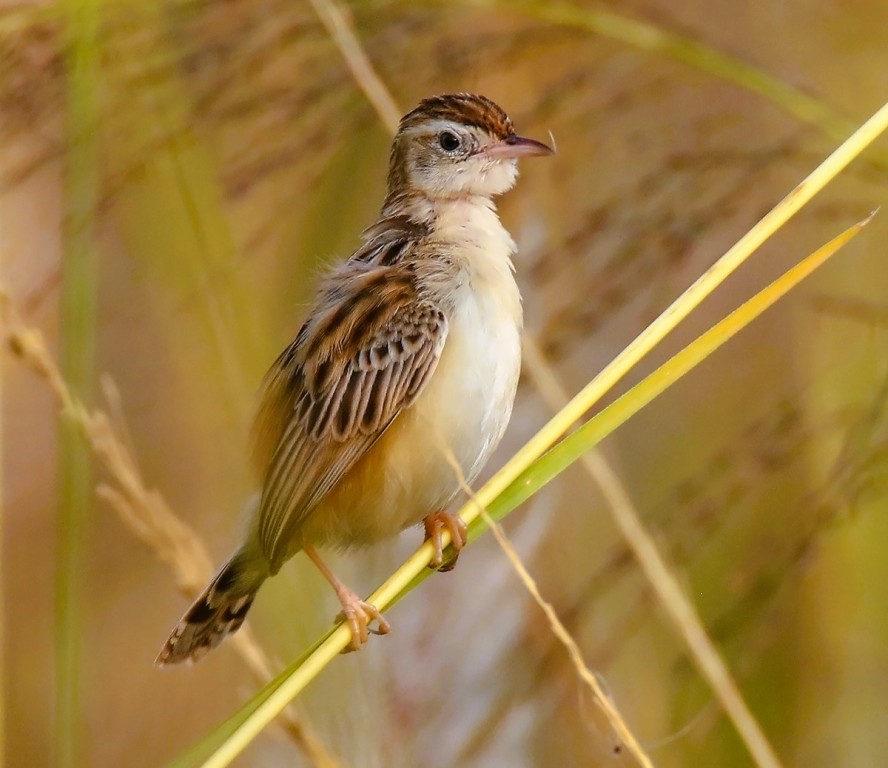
592 432
77 340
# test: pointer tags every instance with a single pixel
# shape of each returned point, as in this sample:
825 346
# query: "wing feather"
354 366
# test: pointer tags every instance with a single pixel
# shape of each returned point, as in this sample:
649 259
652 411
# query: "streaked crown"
464 108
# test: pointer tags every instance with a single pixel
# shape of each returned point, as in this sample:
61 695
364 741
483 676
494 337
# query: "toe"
459 536
459 532
433 534
350 616
359 615
382 625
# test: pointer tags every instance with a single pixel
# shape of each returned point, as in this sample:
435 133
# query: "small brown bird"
411 352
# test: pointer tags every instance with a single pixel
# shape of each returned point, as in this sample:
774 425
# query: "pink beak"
517 146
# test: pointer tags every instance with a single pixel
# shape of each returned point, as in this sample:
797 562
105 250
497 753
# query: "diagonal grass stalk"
671 596
694 295
572 447
233 735
344 37
681 610
222 746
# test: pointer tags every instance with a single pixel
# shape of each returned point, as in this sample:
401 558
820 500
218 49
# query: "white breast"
470 397
468 402
464 409
482 357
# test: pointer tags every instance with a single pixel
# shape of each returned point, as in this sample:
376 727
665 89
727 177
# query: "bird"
410 354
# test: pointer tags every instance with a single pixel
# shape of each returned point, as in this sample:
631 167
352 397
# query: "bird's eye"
449 141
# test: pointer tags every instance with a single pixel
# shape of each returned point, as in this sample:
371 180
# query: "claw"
459 535
359 615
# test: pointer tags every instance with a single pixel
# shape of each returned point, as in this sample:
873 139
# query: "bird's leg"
355 611
459 535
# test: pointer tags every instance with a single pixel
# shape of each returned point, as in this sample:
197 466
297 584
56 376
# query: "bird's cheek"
498 177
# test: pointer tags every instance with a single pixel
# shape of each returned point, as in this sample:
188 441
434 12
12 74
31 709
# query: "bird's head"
457 145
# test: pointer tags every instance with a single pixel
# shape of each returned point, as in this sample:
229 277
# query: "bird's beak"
517 146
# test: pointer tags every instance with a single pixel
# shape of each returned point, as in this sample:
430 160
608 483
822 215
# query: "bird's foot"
459 536
359 614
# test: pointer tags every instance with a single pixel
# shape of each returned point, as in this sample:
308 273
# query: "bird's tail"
218 611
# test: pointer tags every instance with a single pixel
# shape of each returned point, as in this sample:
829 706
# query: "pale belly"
463 412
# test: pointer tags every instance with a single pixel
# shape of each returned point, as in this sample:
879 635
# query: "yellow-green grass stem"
232 737
77 333
685 303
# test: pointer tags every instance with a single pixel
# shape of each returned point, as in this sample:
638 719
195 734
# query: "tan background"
237 156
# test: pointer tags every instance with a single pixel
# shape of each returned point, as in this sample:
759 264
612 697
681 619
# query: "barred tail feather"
219 611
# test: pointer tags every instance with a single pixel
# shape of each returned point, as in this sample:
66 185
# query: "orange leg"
355 611
459 535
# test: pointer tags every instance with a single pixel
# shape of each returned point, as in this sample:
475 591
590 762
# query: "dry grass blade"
585 674
144 511
691 298
338 26
232 737
667 588
694 295
665 585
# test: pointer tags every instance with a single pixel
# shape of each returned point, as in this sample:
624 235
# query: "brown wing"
364 355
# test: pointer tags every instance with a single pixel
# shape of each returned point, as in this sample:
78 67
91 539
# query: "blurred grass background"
221 155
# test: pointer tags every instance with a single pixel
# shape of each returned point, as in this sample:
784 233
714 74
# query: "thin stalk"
233 736
670 594
506 488
692 297
571 448
77 335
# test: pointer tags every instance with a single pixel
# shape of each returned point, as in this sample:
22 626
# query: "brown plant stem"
144 511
